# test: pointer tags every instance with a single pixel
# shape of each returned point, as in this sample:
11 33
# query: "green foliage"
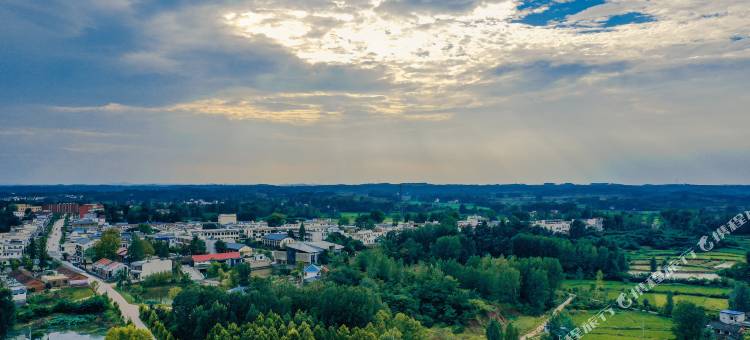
128 332
136 250
92 305
559 326
197 246
7 311
107 245
689 321
511 333
196 310
276 219
739 299
494 331
220 246
669 305
158 279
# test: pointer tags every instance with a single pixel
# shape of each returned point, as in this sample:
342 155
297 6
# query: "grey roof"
732 312
276 236
235 246
305 248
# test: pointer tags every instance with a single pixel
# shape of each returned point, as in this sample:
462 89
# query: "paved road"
128 311
540 328
53 241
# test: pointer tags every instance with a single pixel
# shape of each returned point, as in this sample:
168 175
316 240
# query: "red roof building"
204 261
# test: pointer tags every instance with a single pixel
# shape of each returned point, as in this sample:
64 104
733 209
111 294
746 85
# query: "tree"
302 231
511 333
275 220
560 325
31 249
377 216
494 331
689 321
7 311
739 299
577 229
669 305
344 220
107 246
652 264
135 250
242 271
197 246
128 332
220 246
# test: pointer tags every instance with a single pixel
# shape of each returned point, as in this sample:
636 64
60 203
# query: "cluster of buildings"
563 226
13 244
731 325
22 282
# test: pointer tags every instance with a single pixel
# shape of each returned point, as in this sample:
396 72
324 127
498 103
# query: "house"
305 252
108 269
27 279
55 281
202 262
731 317
75 279
277 240
243 249
143 269
17 290
258 261
731 325
312 272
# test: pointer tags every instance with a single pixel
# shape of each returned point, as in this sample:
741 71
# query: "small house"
108 269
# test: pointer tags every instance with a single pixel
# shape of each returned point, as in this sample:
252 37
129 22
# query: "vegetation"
689 321
108 245
128 332
7 311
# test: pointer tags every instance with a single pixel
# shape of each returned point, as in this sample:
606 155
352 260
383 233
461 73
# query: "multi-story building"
62 208
225 219
224 234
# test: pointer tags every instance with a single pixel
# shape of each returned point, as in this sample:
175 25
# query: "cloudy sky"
353 91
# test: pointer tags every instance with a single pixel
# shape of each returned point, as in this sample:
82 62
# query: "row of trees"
304 327
196 310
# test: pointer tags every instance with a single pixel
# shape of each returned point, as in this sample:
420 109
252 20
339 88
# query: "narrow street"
128 311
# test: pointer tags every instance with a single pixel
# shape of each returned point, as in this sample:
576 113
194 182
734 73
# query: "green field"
628 325
713 299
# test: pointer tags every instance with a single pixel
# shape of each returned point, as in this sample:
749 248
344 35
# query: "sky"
362 91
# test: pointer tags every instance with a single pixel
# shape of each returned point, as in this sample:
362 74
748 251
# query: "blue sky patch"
628 18
555 11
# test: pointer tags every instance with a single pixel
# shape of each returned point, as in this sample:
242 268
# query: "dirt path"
539 329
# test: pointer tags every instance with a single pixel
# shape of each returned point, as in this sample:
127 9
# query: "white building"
225 219
17 290
563 226
367 237
143 269
555 226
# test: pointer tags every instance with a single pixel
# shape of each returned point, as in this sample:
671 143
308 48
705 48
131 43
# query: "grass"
83 324
525 323
627 325
76 293
713 299
138 294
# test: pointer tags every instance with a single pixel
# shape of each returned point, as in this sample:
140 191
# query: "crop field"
628 325
713 299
